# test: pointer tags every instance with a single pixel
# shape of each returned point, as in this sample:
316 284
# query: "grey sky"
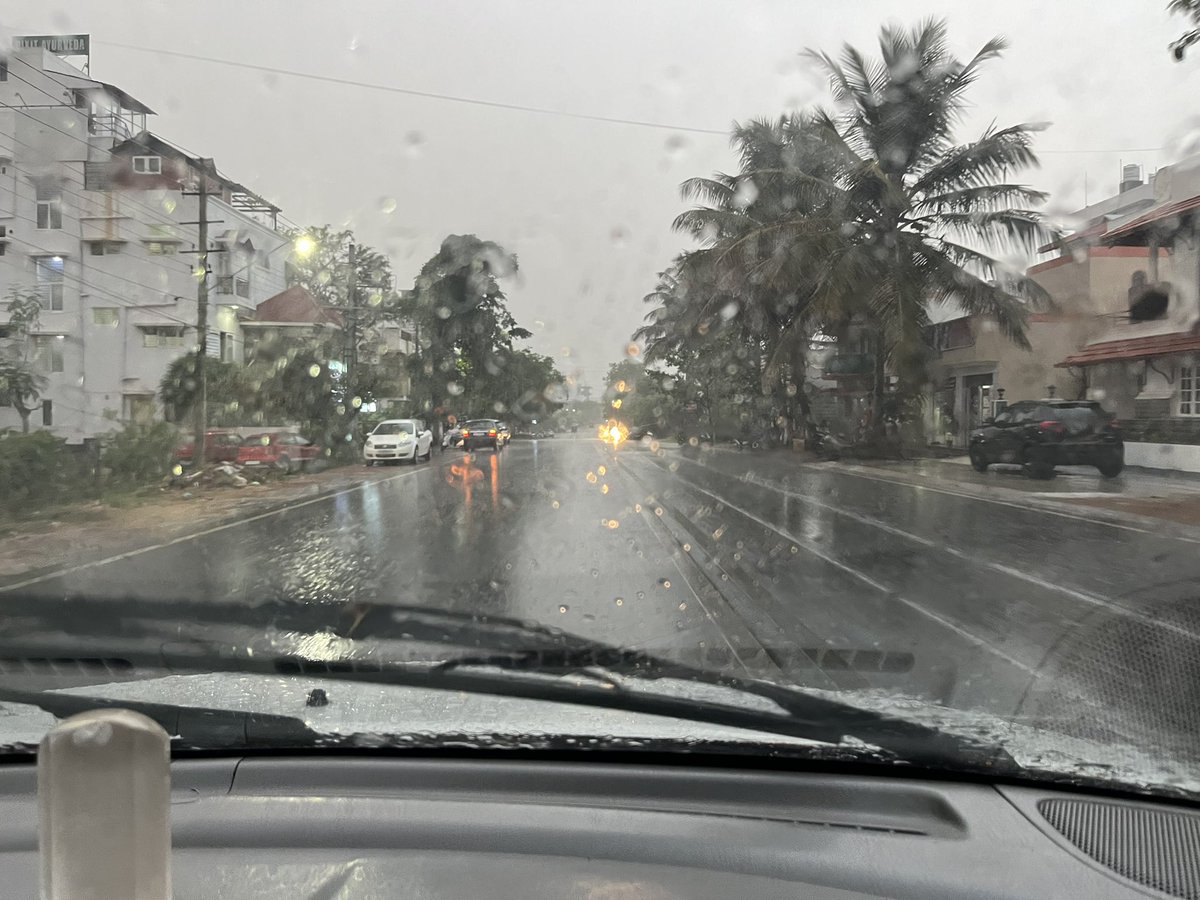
586 205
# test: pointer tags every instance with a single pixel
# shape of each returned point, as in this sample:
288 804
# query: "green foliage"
229 392
139 453
466 330
1190 9
860 216
36 471
20 383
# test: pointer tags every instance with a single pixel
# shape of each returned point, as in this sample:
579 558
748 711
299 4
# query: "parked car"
282 449
220 445
1042 434
481 433
396 440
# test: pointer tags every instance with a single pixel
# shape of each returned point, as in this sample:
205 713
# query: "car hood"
385 715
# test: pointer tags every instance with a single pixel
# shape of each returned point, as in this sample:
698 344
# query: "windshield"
735 336
395 428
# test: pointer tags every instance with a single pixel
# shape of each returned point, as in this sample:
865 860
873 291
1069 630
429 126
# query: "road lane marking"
59 573
861 472
1074 593
871 582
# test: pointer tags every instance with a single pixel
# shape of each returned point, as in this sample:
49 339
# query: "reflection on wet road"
815 574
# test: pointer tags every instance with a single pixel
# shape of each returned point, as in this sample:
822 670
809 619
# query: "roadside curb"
265 507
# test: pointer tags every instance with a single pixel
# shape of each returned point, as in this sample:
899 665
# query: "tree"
464 328
901 214
229 393
325 270
527 387
21 384
1191 9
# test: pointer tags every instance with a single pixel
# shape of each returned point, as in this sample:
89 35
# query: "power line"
427 95
496 104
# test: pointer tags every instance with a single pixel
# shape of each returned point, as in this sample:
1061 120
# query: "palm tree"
917 216
749 260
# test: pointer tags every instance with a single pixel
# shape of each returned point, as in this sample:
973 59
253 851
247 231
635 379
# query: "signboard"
60 44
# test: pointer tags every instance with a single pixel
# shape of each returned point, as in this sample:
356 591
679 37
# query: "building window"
49 208
224 284
147 165
3 247
138 408
47 413
104 248
264 259
162 336
48 352
48 272
160 248
108 317
226 346
3 70
1189 391
242 287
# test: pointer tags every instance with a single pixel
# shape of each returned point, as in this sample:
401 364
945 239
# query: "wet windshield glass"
780 309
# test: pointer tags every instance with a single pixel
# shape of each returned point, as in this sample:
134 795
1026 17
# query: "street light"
304 245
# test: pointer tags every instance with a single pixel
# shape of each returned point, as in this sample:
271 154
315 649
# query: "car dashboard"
312 826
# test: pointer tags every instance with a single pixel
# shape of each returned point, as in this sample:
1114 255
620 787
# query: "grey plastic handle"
104 802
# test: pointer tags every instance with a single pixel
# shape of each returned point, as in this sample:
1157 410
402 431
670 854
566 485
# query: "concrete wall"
1176 457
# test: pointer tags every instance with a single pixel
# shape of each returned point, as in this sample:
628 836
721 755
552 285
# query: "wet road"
829 577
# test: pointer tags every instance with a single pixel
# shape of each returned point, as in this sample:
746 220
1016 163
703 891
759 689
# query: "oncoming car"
397 440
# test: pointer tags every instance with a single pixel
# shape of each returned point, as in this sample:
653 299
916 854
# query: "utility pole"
200 406
352 325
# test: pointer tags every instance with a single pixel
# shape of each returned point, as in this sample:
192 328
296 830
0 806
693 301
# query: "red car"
220 445
281 449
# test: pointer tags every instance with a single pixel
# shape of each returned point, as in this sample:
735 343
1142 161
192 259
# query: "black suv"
1042 434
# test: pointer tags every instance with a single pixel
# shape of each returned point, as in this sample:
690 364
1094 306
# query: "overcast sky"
587 205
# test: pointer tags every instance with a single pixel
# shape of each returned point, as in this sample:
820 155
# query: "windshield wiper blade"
536 675
195 726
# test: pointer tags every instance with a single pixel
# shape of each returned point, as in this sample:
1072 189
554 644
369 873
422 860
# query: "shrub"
36 470
139 454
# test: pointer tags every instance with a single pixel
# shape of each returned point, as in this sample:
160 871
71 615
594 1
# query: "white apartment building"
100 217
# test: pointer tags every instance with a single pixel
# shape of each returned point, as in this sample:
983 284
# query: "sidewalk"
95 531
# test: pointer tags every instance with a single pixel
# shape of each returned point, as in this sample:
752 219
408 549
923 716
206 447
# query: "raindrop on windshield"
387 205
563 608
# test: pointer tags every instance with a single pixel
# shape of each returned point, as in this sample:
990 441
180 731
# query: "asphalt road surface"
828 577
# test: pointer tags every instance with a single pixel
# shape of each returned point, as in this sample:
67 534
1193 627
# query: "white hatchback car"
399 440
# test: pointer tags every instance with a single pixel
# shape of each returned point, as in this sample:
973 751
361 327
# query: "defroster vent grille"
1156 848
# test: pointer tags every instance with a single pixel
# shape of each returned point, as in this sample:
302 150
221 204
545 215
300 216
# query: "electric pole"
352 325
200 410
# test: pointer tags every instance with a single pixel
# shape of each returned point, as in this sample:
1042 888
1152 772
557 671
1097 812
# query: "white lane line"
199 534
860 472
1073 593
868 580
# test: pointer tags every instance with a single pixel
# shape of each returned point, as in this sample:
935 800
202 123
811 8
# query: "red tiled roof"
296 305
1160 214
1134 348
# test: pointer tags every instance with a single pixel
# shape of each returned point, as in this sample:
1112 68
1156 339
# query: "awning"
1134 348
